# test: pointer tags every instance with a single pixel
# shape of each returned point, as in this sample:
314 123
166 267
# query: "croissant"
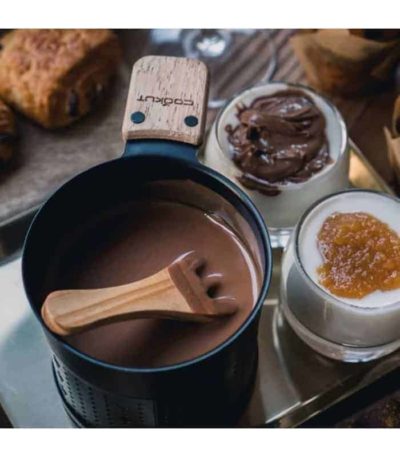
56 76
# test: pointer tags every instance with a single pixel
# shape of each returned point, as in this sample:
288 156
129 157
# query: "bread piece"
56 76
338 61
8 133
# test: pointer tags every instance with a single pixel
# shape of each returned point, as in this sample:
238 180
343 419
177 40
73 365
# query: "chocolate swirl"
279 139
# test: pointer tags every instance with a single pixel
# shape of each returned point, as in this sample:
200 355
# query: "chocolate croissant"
7 133
56 76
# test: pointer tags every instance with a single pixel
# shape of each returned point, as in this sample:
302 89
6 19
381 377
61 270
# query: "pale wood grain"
176 292
167 90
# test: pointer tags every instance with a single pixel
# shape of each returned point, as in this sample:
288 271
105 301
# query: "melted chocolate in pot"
137 241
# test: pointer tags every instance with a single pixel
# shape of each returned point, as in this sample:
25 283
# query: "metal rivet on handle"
138 117
191 121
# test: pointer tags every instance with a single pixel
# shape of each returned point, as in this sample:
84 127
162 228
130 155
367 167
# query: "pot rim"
200 168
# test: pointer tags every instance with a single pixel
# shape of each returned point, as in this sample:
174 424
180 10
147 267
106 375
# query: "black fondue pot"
163 126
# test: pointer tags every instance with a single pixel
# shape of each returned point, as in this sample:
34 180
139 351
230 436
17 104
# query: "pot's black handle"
167 100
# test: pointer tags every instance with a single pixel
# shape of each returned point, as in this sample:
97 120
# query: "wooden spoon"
176 292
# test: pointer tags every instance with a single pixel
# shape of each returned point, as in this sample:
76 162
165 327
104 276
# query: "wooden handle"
167 100
176 292
69 311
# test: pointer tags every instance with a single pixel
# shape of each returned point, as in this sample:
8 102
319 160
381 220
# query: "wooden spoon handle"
69 311
166 100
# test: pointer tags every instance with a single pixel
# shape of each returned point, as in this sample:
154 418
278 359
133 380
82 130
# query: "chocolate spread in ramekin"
280 138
